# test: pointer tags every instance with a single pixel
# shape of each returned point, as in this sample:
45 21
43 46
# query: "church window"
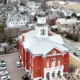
59 61
53 62
47 62
43 31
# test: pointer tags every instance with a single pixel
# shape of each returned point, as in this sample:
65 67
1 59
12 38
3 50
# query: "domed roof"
41 14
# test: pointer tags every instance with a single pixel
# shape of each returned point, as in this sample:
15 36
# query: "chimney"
23 38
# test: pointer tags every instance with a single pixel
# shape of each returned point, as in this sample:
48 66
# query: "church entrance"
47 76
53 74
58 74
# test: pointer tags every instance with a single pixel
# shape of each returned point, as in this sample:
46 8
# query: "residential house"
17 20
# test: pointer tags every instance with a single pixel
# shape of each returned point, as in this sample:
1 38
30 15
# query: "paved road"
14 72
71 46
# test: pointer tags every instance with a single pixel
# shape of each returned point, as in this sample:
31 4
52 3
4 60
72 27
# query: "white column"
32 67
51 74
61 73
62 70
25 60
56 71
45 74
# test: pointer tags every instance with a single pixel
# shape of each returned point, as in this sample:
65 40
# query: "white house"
17 21
13 0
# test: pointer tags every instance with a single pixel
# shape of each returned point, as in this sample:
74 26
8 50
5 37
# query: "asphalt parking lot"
15 72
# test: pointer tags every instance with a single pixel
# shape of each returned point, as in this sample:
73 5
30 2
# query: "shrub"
9 40
72 37
73 15
69 36
75 37
72 68
68 17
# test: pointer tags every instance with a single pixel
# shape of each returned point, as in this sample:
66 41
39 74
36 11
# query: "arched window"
53 62
59 60
47 63
53 74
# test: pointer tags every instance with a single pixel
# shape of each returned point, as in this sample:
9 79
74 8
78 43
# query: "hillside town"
39 40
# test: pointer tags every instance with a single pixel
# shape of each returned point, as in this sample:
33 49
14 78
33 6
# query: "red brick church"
42 52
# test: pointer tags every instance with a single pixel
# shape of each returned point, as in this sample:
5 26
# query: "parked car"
2 73
5 78
2 62
77 48
18 64
2 65
2 68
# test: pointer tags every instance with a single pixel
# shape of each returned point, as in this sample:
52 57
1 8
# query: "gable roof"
42 45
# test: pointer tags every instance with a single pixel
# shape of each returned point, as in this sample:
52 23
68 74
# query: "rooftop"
42 45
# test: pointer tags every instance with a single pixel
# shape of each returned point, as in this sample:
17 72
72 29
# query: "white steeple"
41 28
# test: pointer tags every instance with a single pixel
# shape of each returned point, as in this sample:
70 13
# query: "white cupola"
41 19
41 28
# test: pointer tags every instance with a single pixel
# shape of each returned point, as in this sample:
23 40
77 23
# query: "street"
15 72
71 46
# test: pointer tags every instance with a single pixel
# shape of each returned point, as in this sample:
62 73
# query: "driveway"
15 72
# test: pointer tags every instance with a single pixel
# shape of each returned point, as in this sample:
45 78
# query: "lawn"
76 7
74 62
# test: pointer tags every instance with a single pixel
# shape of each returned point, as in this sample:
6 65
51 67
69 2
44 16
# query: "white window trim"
47 63
54 62
59 61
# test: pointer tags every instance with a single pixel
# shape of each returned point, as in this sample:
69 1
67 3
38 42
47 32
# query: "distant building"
42 53
2 50
51 18
3 47
3 1
13 0
66 21
17 20
66 25
29 26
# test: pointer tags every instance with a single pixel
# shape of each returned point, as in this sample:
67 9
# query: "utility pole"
35 2
44 5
